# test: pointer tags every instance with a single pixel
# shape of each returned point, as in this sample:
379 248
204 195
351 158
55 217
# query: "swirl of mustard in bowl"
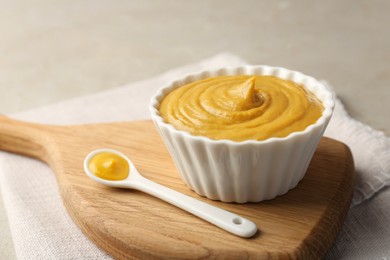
241 108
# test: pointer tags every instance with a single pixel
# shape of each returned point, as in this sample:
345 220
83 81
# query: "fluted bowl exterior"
247 171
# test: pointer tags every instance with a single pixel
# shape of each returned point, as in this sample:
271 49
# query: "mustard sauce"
241 108
109 166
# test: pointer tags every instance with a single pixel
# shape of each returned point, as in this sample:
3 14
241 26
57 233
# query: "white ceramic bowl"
248 171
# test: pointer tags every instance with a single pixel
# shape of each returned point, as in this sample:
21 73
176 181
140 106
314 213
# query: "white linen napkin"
39 223
370 149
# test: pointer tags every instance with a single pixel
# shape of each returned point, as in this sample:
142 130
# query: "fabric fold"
39 223
370 149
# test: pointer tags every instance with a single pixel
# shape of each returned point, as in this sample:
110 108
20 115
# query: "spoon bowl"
226 220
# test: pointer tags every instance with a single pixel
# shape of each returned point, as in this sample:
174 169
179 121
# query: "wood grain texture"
129 224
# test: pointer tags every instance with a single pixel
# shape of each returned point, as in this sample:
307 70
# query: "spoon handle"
226 220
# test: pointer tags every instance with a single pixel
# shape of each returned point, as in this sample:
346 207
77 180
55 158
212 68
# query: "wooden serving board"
129 224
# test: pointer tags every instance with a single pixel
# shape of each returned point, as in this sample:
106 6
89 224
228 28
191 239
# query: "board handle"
30 139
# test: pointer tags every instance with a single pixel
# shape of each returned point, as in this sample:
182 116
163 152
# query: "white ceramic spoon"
226 220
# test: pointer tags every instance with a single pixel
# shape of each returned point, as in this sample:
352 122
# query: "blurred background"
53 50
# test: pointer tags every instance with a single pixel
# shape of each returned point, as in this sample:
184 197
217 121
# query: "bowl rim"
280 72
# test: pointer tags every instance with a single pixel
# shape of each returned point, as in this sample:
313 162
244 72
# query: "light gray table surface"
55 50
